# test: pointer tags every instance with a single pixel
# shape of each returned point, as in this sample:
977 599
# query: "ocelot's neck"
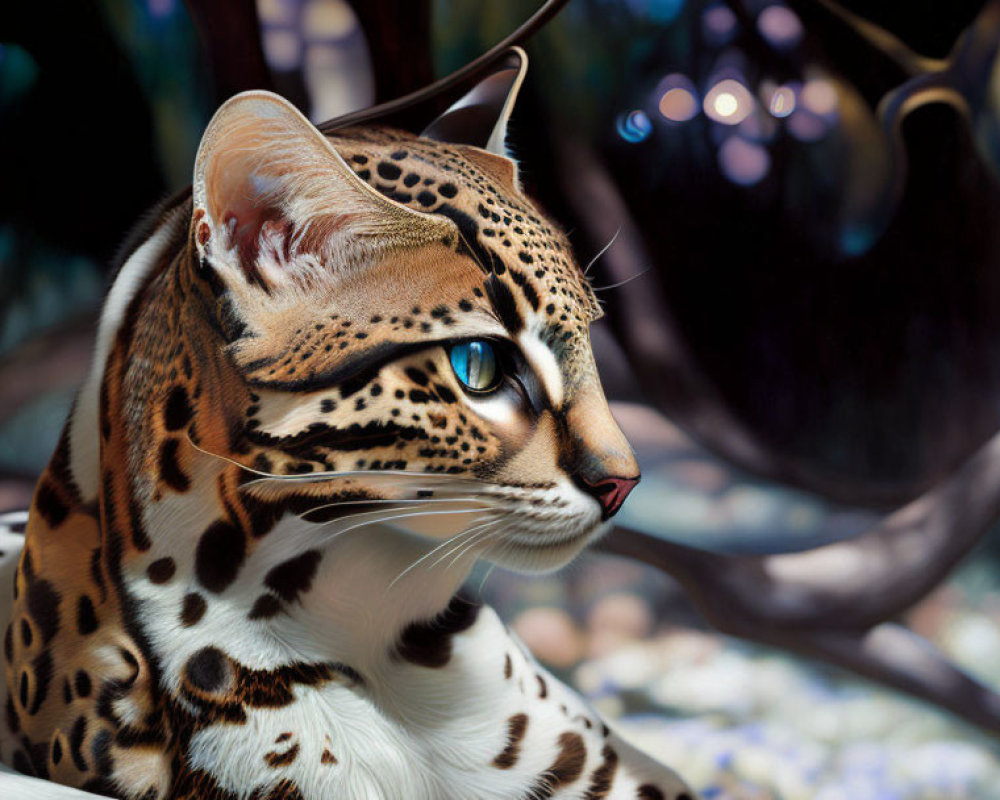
294 591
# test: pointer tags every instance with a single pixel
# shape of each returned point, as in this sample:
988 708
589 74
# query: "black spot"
265 607
389 171
527 288
57 751
429 643
219 555
359 159
446 394
86 619
177 413
525 257
411 180
43 606
100 751
417 376
76 737
649 792
41 665
426 198
104 411
603 777
81 683
465 305
207 669
170 469
364 174
49 504
293 577
327 406
567 767
136 526
448 190
161 570
26 635
192 609
399 155
517 725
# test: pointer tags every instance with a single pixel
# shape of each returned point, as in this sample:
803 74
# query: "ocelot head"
389 318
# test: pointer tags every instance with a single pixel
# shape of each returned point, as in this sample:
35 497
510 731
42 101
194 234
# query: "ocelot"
327 379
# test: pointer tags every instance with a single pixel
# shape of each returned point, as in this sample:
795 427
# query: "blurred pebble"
627 614
748 726
703 476
552 635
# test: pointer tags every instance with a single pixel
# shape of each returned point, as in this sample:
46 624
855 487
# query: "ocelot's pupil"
475 364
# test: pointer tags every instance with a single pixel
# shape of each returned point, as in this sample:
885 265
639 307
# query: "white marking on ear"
544 363
84 441
466 121
497 142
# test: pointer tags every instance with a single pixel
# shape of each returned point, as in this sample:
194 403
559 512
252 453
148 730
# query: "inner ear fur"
269 187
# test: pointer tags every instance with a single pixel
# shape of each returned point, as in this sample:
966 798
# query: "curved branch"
450 83
833 602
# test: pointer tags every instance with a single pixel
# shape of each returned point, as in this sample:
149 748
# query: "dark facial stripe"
529 290
488 261
354 437
504 304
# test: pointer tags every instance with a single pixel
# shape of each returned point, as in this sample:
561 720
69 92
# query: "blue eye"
475 364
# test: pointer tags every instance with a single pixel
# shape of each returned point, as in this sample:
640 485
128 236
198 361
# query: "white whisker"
445 543
383 516
601 252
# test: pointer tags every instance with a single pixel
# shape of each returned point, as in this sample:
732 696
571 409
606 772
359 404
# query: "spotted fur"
240 569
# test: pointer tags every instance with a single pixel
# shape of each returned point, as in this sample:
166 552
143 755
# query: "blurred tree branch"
230 34
835 602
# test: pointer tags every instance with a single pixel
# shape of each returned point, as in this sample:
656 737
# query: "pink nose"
609 492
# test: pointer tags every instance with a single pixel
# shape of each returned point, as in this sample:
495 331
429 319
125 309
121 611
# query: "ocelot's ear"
273 198
480 117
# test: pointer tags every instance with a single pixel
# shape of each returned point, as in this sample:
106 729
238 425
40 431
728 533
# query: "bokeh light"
678 98
780 26
728 102
328 19
283 49
634 126
782 101
742 162
160 9
820 96
678 105
806 126
719 24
